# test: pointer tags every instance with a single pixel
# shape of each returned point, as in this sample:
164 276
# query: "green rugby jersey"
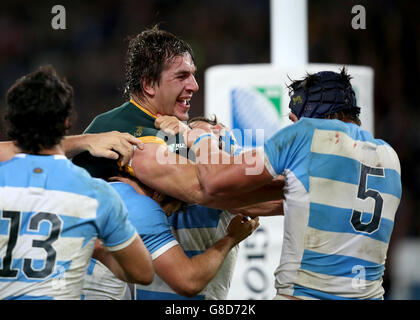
134 119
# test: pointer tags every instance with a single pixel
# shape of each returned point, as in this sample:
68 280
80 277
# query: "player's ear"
157 196
293 117
148 87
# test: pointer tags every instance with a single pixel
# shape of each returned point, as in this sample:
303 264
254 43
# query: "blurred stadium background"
90 53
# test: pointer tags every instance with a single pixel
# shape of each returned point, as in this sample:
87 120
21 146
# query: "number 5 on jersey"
364 193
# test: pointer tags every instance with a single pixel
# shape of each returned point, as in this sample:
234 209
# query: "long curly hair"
147 54
38 105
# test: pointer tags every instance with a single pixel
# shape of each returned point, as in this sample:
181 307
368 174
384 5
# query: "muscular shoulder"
129 194
293 135
106 121
138 205
143 212
84 183
104 192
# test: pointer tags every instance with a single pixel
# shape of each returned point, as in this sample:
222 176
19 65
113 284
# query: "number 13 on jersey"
6 267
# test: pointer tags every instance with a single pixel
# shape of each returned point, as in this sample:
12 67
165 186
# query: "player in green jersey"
160 81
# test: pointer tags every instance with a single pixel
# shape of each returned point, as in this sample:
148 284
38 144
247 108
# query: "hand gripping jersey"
343 188
153 227
131 118
51 213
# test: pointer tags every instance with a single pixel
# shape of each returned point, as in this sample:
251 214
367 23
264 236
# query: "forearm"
180 185
189 276
221 175
267 208
73 145
265 201
105 257
219 197
205 266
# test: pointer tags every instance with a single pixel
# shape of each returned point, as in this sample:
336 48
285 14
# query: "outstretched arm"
268 208
112 145
171 174
217 171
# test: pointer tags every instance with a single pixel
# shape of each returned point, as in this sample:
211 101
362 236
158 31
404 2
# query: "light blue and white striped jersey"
342 191
51 213
196 230
153 227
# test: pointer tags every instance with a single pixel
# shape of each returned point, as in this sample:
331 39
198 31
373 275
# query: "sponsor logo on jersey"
176 147
138 132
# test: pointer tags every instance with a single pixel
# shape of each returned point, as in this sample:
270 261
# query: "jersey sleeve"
283 149
114 228
152 226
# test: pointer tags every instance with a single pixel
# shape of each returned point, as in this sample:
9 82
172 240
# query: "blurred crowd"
90 53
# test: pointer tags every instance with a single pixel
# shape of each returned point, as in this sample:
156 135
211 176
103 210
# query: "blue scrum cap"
322 94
